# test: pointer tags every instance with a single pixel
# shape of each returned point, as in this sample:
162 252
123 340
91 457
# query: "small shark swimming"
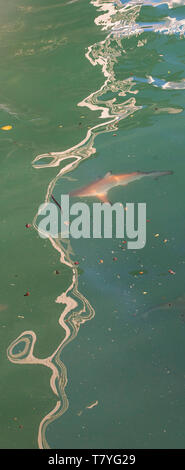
102 186
177 305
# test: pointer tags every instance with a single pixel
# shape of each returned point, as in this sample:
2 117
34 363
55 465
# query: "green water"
128 363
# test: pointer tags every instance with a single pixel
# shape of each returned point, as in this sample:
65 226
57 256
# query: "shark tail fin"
156 174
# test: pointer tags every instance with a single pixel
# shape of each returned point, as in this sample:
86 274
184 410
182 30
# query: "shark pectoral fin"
102 197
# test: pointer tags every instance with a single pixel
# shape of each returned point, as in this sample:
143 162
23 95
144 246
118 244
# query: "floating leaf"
138 273
6 128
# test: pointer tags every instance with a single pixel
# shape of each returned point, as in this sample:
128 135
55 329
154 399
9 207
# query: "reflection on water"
119 21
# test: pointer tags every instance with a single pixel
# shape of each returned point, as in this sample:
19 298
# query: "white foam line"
77 308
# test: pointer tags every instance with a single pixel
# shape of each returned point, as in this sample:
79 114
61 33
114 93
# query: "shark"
101 187
177 305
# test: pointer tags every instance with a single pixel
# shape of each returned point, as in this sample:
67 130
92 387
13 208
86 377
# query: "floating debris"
92 405
165 240
100 261
115 258
56 202
171 271
28 225
6 128
138 273
27 293
156 235
56 271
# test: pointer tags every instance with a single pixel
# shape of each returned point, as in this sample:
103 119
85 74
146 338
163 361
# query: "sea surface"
92 333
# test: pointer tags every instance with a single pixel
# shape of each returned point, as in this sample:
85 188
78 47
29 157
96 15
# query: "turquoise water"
93 357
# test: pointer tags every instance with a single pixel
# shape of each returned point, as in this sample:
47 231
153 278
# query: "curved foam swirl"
77 311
